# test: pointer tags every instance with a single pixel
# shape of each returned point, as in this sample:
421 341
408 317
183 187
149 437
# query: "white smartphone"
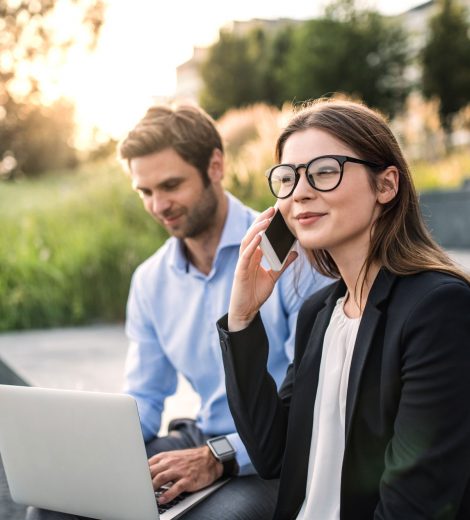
276 242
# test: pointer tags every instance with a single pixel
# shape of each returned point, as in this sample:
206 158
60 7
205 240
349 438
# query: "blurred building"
415 21
188 78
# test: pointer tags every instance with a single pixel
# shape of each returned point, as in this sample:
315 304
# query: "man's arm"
149 375
149 378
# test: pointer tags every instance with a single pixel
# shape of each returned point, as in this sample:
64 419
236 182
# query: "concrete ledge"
447 214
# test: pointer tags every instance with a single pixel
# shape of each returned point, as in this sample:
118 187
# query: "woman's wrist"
236 324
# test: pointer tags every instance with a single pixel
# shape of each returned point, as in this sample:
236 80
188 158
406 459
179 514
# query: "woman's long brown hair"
400 240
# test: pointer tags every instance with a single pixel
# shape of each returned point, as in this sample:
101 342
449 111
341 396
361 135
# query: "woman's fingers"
259 224
248 252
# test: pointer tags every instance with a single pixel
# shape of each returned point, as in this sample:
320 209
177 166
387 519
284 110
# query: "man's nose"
159 203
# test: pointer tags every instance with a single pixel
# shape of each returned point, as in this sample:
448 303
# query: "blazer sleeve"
260 414
427 461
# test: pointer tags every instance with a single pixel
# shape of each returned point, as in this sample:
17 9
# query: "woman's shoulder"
430 289
429 281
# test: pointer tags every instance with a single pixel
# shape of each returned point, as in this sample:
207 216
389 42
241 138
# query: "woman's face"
339 220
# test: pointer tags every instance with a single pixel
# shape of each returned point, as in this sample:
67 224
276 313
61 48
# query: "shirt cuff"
243 460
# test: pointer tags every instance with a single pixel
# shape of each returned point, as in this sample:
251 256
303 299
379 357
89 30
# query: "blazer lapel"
299 433
379 292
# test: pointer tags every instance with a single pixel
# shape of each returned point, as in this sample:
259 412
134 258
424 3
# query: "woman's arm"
260 414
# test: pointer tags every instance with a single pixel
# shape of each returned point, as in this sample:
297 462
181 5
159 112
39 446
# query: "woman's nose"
303 190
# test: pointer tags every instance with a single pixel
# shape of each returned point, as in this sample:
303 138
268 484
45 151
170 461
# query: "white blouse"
322 497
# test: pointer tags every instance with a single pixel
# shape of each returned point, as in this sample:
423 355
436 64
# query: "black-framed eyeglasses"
323 173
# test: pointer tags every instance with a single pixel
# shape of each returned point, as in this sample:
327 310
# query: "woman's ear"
387 184
215 171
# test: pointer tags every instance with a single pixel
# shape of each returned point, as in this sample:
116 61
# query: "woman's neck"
358 282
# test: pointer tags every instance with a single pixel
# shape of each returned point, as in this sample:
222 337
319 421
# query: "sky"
141 44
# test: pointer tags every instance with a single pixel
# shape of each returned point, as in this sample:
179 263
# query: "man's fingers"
158 467
176 489
164 477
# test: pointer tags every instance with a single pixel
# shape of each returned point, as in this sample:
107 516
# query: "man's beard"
200 218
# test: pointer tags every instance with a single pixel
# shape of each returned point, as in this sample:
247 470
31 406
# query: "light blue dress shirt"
171 315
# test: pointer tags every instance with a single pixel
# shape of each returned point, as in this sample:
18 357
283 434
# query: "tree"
27 40
360 53
276 62
446 61
232 73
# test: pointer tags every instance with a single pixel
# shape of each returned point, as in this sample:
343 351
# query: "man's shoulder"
242 209
158 260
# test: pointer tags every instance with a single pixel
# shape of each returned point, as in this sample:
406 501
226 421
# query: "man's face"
174 194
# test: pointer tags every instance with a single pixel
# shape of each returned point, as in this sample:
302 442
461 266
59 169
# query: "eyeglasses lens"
324 174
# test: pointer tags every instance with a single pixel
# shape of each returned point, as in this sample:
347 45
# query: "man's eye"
170 186
144 193
287 179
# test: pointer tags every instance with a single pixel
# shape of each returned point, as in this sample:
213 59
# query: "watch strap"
231 468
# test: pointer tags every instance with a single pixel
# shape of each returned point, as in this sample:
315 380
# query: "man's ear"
387 184
215 171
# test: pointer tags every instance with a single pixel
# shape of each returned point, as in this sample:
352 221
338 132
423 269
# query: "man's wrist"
223 452
231 468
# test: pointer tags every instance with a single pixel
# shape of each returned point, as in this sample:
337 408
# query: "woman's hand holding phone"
252 284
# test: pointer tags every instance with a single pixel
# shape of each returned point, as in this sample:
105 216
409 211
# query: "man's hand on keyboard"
189 470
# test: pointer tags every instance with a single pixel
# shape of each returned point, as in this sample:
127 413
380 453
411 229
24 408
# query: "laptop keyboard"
165 507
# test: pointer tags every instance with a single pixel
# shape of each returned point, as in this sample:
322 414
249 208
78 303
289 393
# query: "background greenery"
68 245
70 240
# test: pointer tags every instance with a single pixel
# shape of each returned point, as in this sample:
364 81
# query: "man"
176 165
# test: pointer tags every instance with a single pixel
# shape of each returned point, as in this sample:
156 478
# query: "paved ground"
87 358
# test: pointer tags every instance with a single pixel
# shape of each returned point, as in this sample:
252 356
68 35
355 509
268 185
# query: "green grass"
70 241
68 246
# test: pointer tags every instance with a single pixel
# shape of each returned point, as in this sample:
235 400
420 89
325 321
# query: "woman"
372 420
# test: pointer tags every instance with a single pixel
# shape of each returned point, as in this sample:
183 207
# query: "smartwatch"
224 452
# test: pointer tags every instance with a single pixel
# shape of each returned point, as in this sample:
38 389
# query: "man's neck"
201 250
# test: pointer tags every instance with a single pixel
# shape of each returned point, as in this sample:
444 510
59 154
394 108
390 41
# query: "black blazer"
407 445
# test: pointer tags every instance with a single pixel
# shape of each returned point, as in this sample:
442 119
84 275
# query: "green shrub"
68 246
69 242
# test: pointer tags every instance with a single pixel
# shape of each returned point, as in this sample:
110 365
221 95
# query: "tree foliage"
446 61
231 75
361 53
37 137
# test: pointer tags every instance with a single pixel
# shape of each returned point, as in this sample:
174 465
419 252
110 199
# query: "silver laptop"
81 453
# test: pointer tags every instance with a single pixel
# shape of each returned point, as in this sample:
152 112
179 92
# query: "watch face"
221 446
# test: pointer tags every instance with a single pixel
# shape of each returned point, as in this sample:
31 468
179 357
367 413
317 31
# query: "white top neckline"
323 487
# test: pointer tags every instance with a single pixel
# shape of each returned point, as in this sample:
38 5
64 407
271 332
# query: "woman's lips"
308 218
